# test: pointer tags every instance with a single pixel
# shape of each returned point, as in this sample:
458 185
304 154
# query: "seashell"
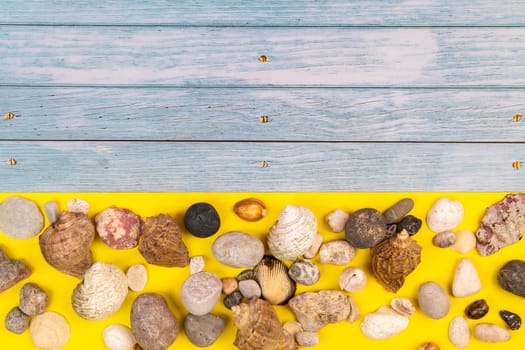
118 337
491 333
354 310
314 310
77 205
250 209
66 244
352 279
276 285
383 323
396 212
365 228
459 332
101 293
337 219
502 225
258 327
49 331
16 321
466 280
511 319
403 306
314 248
429 346
293 233
119 228
444 215
161 242
11 271
394 259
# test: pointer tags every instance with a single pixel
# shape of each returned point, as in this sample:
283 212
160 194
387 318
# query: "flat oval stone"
511 277
398 211
203 330
238 249
433 300
250 288
202 220
20 218
304 272
365 228
338 252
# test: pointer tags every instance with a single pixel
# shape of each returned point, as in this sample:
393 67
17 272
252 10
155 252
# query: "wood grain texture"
267 13
211 167
199 56
297 114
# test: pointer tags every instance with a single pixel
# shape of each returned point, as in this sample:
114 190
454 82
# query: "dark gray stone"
365 228
16 321
511 277
203 330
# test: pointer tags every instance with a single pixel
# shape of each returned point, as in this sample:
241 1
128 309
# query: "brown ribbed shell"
272 275
66 244
161 242
259 327
394 259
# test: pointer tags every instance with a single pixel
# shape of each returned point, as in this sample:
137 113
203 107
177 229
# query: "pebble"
307 338
118 337
352 279
511 277
304 272
200 292
409 223
202 220
16 321
292 327
465 241
491 333
246 275
466 280
444 239
444 215
429 346
77 205
11 271
433 300
137 276
511 319
33 299
249 289
52 212
477 309
314 248
338 252
20 218
196 264
396 212
119 228
232 299
203 330
229 284
459 332
383 323
365 228
49 331
337 219
238 249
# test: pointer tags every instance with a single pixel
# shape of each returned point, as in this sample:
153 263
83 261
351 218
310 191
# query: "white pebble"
52 212
307 338
491 332
314 248
137 277
200 292
77 205
465 241
444 215
459 332
118 337
466 280
250 288
337 220
338 252
196 264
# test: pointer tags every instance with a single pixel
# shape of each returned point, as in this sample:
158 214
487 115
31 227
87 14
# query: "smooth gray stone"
203 330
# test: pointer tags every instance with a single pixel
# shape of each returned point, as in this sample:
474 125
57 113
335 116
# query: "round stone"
433 300
304 272
16 321
200 292
338 252
202 220
232 299
511 277
203 330
365 228
20 218
238 249
249 289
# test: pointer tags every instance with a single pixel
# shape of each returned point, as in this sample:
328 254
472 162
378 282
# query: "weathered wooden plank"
243 166
199 56
267 13
312 114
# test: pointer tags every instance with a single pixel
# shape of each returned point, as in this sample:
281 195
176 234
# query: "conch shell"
293 233
394 259
66 244
259 327
101 293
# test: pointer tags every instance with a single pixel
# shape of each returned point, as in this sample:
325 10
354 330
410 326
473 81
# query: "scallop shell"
66 244
394 259
293 233
259 327
101 293
276 285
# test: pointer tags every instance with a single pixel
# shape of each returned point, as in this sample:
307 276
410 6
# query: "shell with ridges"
259 327
66 244
101 293
394 259
276 285
293 233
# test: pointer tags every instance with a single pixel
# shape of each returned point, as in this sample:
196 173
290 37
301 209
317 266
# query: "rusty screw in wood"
516 165
264 164
264 119
516 117
9 116
11 161
263 58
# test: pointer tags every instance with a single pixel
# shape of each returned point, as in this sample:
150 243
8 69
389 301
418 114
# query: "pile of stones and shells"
277 270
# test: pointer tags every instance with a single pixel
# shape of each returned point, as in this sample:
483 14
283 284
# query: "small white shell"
118 337
137 277
444 215
403 306
314 248
101 293
49 331
337 219
384 323
293 233
352 279
77 205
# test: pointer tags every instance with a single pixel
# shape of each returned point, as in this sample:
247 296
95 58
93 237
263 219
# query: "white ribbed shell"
101 293
293 233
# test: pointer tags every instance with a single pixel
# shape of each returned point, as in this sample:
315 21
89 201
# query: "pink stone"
119 228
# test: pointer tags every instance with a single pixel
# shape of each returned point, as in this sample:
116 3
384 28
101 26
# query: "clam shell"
101 293
293 233
276 285
66 244
259 327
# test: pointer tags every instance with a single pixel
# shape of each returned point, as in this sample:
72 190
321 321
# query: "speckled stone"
307 338
202 220
365 228
444 239
338 252
33 299
203 330
410 223
20 218
232 299
511 277
304 272
16 321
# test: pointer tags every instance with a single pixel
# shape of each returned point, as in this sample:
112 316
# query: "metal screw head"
9 116
516 165
263 58
516 117
11 161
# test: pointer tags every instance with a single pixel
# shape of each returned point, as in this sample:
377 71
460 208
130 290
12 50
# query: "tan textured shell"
394 259
101 293
66 244
161 242
293 233
272 275
259 327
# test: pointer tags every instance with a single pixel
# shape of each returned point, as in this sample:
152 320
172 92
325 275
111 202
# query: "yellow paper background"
437 265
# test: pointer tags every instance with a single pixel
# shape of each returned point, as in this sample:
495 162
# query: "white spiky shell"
293 233
101 293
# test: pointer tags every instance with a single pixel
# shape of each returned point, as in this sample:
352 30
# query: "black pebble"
409 223
202 220
232 299
511 319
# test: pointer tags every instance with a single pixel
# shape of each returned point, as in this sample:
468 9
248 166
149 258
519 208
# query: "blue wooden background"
231 95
